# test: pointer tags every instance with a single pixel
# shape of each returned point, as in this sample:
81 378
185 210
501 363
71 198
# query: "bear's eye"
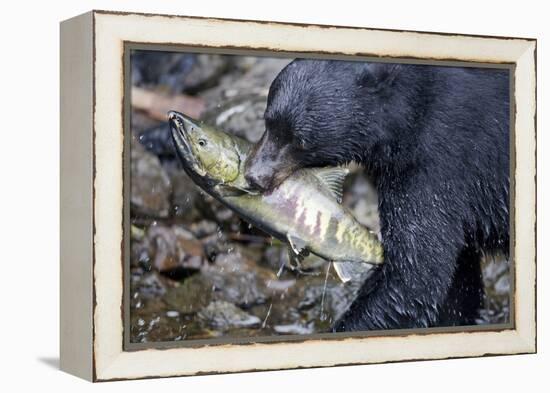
202 142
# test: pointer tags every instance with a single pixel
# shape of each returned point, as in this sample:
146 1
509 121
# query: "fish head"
210 156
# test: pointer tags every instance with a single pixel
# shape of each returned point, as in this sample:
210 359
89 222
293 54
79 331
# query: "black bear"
435 141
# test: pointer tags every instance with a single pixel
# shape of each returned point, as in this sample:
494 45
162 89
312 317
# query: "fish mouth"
180 125
181 128
250 190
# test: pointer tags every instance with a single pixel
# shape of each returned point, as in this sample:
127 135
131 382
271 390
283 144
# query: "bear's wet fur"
435 142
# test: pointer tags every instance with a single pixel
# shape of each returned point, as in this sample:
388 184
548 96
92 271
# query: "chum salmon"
304 211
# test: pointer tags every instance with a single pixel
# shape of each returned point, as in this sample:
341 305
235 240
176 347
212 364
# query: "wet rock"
137 233
204 228
148 286
228 279
155 104
295 328
496 277
140 123
224 316
362 199
174 248
191 296
160 68
216 244
224 214
158 141
367 214
274 257
341 297
494 266
254 80
322 303
310 297
243 64
235 281
280 286
140 249
242 115
237 105
185 194
205 72
154 326
502 286
150 196
177 72
140 255
241 288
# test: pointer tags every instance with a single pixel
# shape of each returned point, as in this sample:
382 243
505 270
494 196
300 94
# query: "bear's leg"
411 287
465 298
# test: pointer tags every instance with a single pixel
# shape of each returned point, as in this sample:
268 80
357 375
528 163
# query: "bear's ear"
375 76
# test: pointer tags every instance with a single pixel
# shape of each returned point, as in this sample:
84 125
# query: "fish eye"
202 142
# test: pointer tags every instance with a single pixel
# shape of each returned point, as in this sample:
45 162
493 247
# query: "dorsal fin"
333 178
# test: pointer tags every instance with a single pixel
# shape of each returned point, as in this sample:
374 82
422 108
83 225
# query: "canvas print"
289 197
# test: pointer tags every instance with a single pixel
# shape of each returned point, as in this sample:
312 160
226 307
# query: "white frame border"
111 30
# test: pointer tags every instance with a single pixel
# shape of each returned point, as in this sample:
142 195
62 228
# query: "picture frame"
94 248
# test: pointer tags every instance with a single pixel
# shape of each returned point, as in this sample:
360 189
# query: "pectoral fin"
348 271
294 260
297 246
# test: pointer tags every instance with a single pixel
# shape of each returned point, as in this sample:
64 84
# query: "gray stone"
224 316
174 248
150 186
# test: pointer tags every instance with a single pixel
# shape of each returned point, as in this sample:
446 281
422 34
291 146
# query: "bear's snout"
256 181
260 173
265 164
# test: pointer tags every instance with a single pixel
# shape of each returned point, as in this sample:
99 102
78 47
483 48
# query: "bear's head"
319 113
